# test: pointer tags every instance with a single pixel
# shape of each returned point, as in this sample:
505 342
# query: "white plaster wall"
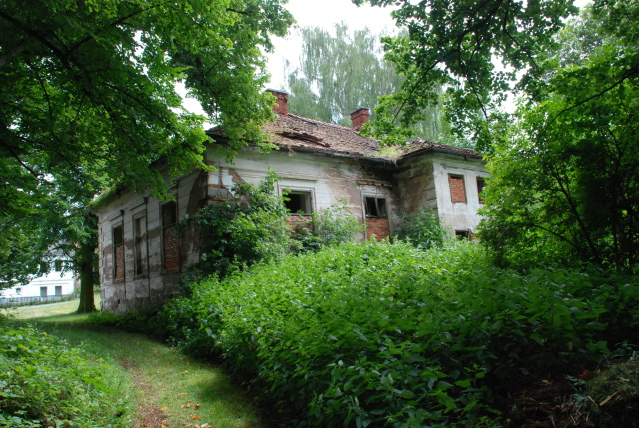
458 216
66 280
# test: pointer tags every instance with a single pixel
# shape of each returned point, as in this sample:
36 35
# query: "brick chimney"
281 100
360 117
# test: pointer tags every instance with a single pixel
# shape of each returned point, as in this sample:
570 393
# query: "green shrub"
421 228
249 228
45 383
331 226
379 333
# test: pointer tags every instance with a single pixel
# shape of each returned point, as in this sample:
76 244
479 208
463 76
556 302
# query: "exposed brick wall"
282 102
118 263
377 226
359 117
457 188
170 244
298 221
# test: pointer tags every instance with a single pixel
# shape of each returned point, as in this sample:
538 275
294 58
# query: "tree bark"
86 261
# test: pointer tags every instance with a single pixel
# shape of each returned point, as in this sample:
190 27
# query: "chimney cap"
278 91
360 108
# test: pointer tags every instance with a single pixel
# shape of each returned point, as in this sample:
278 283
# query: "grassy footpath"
170 389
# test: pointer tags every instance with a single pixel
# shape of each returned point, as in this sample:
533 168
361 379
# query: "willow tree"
87 92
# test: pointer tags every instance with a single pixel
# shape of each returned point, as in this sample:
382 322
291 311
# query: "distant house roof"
300 133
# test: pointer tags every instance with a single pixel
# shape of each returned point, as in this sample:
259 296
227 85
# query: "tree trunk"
86 261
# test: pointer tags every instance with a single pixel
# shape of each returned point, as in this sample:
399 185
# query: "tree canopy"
88 98
457 43
565 170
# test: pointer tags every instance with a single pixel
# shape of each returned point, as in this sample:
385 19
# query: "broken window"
169 236
457 188
298 202
139 245
118 252
480 188
375 207
462 235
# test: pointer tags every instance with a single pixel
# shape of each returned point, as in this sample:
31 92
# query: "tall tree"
456 44
341 70
565 170
567 182
87 92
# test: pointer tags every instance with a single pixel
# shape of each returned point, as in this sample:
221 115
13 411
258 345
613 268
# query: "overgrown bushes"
372 334
45 383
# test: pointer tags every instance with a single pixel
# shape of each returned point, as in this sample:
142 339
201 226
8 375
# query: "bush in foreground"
44 383
376 334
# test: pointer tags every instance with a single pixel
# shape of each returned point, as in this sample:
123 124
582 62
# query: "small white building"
56 284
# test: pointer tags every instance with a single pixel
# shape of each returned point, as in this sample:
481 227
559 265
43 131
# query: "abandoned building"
319 164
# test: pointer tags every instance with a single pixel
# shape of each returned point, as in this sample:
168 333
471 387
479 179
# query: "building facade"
318 164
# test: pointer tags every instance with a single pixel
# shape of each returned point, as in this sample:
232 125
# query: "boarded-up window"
457 188
169 236
480 188
118 253
375 207
139 244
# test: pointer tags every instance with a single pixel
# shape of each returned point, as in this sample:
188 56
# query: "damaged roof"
295 132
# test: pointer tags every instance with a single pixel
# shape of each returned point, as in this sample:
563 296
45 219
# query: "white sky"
324 14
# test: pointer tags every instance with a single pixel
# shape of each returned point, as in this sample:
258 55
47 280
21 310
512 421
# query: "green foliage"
380 333
88 99
566 183
46 383
248 229
455 43
422 229
330 226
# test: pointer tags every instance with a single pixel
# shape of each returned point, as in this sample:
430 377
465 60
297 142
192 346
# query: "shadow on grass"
188 391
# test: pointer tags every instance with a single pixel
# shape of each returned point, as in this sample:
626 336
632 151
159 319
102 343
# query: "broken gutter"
439 150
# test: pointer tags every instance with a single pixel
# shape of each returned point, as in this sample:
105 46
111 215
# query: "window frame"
117 231
482 180
452 176
140 245
308 202
376 201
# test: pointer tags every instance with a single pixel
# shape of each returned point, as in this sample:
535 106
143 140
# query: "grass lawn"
168 389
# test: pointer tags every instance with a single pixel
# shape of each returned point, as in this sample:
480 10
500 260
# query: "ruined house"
142 256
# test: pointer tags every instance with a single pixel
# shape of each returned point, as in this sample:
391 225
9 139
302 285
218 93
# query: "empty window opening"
169 214
457 188
118 252
375 207
298 202
462 235
139 243
480 188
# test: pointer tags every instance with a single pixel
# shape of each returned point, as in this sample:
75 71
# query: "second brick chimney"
281 100
360 117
